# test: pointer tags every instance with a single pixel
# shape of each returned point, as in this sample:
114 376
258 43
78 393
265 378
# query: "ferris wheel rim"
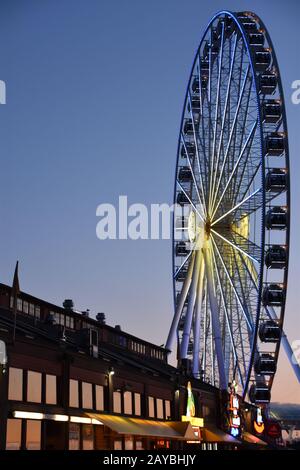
238 24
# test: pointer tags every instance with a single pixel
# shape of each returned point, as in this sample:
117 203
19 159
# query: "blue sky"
94 97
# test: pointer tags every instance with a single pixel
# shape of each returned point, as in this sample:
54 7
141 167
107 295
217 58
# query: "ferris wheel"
232 222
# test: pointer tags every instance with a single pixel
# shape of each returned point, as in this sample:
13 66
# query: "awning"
248 437
211 433
182 431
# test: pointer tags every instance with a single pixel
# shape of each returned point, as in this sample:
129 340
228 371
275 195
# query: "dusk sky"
94 97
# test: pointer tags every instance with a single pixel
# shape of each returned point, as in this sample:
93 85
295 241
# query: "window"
19 305
87 437
139 445
34 386
69 322
137 404
74 436
118 444
99 398
37 312
128 403
117 402
151 407
87 395
13 434
167 409
15 385
128 443
73 398
31 309
51 390
160 408
25 306
33 435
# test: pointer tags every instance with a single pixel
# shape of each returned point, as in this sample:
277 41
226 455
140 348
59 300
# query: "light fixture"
111 371
34 415
80 419
57 417
27 415
96 421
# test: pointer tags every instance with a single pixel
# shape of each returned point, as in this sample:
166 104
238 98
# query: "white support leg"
180 304
216 331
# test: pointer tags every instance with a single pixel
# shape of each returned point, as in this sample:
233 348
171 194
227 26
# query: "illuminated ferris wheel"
231 234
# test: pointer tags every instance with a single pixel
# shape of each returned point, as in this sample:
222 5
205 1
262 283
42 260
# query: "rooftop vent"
68 304
100 317
118 327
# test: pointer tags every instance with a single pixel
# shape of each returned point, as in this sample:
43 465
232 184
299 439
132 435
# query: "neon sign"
258 424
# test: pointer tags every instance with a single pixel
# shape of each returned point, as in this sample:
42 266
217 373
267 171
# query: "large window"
168 409
128 403
74 436
34 386
137 404
151 407
87 437
33 435
159 408
99 398
51 389
117 402
13 434
74 398
15 384
87 395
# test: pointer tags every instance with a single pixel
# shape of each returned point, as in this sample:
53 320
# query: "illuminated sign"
190 406
190 417
198 422
258 424
234 412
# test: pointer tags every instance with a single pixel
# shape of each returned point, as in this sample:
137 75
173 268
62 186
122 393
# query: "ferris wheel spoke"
223 119
240 244
190 201
228 323
216 109
236 318
249 139
236 207
215 191
214 308
201 200
242 307
197 155
183 263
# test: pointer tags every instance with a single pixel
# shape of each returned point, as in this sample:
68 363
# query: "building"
68 381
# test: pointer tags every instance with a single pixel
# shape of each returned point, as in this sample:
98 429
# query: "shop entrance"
54 435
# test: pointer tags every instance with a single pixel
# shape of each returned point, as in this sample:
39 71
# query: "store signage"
196 422
234 412
258 423
190 406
